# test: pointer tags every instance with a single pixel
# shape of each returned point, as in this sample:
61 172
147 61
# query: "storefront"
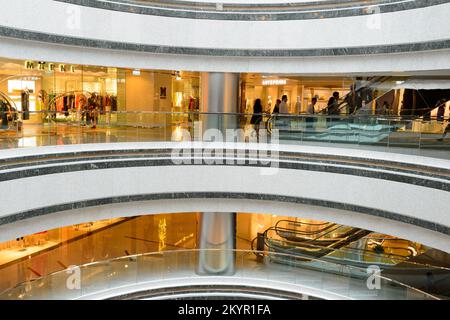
49 91
299 90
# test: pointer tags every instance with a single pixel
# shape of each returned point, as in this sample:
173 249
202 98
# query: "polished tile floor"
35 135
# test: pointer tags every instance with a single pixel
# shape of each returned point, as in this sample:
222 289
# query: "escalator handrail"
394 257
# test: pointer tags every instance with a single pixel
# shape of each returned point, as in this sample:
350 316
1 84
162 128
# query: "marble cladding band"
14 33
224 195
61 157
218 289
256 12
429 177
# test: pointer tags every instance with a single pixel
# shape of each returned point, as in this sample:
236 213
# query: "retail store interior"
33 256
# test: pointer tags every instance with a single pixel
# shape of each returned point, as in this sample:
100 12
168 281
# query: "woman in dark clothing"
276 109
257 116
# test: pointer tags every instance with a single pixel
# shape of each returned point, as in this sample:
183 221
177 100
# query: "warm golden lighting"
162 234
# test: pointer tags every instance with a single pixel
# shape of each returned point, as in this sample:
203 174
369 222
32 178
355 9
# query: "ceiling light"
136 72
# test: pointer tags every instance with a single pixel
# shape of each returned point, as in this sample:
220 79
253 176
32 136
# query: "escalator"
362 95
337 249
319 241
331 242
352 120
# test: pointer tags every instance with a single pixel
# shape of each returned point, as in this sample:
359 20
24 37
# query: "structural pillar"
220 100
217 238
217 243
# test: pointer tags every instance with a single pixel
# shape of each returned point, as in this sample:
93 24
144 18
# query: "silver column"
217 243
220 95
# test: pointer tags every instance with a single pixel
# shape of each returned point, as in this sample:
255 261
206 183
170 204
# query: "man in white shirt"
312 106
284 109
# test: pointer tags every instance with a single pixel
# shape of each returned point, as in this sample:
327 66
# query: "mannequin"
269 104
298 105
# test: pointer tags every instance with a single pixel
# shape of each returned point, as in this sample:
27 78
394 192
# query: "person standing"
333 104
333 107
257 116
386 108
284 108
441 110
311 111
276 109
93 110
447 128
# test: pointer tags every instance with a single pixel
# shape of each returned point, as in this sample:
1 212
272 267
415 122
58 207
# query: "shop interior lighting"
136 72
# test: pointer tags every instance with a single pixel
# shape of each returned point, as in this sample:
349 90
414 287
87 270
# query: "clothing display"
25 101
72 102
4 113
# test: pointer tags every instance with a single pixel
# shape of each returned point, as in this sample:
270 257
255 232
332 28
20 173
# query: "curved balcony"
335 179
256 10
147 276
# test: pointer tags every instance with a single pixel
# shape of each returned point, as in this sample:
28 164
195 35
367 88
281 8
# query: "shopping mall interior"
241 156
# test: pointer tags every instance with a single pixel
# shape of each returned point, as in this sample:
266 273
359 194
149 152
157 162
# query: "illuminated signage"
274 82
42 66
29 65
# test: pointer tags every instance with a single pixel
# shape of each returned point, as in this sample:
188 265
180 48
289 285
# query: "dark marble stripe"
278 12
157 49
217 290
221 195
71 156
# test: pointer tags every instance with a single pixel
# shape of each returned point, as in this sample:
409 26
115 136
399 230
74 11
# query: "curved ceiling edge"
266 12
423 176
28 35
225 195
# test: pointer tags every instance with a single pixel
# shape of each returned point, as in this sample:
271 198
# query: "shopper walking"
257 116
333 105
311 111
284 108
276 109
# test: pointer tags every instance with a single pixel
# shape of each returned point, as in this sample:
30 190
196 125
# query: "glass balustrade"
153 269
401 134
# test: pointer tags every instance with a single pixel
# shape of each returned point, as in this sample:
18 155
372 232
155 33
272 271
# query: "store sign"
274 82
41 65
29 65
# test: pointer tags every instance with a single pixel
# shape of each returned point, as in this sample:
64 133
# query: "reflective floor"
35 135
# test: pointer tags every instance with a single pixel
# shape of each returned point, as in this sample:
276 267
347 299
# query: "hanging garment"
25 101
